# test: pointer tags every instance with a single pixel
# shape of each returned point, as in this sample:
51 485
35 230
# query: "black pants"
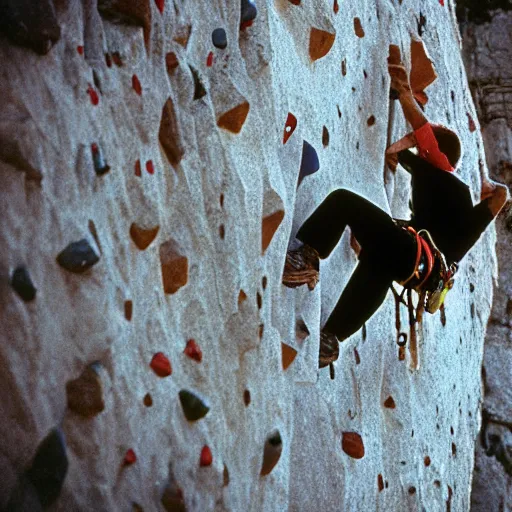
442 205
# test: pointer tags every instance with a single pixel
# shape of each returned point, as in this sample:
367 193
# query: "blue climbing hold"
219 38
23 285
310 163
249 11
77 257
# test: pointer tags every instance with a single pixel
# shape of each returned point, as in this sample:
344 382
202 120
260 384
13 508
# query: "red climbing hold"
472 125
206 457
116 57
161 365
138 171
209 60
136 85
289 127
160 5
193 351
108 60
336 7
93 95
80 50
441 2
150 167
129 458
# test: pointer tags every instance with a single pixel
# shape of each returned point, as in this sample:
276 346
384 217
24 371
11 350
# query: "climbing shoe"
329 349
301 267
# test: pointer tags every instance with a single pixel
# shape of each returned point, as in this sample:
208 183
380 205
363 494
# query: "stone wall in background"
150 357
488 56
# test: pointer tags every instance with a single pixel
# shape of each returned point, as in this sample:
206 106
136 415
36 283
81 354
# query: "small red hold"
160 5
93 95
116 57
94 148
193 351
336 7
138 171
108 60
80 50
289 127
209 60
246 24
136 85
150 167
472 125
206 458
129 458
161 365
441 2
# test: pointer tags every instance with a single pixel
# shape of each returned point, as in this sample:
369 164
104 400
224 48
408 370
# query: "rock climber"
422 253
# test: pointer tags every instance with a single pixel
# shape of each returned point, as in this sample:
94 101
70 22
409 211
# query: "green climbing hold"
193 407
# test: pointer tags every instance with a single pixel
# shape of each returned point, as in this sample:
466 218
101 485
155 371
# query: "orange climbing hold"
161 365
206 458
320 43
174 267
288 355
289 127
141 237
270 224
193 351
169 135
352 444
234 119
171 62
358 28
389 403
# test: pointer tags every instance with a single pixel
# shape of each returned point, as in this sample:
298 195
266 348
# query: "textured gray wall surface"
487 53
164 157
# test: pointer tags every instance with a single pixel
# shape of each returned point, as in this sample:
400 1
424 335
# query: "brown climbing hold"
335 7
128 309
325 136
426 461
141 237
352 444
343 70
241 297
183 35
85 394
471 123
168 134
389 403
320 42
358 28
357 356
172 499
422 71
380 483
294 2
270 224
148 400
371 121
401 353
171 62
288 355
247 397
234 119
225 476
289 127
271 452
174 266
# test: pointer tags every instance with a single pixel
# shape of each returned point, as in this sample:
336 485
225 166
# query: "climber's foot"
301 267
329 350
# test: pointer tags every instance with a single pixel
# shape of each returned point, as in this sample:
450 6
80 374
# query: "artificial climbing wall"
151 358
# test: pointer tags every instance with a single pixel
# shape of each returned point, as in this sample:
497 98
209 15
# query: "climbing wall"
157 157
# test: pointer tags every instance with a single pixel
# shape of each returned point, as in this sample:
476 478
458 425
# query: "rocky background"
150 358
487 36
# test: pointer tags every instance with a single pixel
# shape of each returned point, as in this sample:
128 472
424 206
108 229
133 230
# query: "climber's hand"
399 78
392 161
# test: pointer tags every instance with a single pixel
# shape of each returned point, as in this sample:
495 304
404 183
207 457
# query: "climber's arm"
496 196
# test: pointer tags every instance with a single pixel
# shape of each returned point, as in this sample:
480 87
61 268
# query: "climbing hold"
209 60
93 95
193 407
294 2
108 60
441 2
422 73
380 482
358 28
128 309
370 121
356 356
352 445
183 35
248 13
172 499
171 62
129 458
199 90
269 226
136 85
80 50
49 467
160 4
22 284
138 170
389 403
343 69
225 476
335 7
148 400
174 267
234 119
241 297
193 351
100 166
219 38
288 355
309 163
320 42
30 24
426 461
150 168
471 123
116 57
247 397
169 135
161 365
85 394
301 330
325 136
206 457
141 237
289 127
78 257
271 452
